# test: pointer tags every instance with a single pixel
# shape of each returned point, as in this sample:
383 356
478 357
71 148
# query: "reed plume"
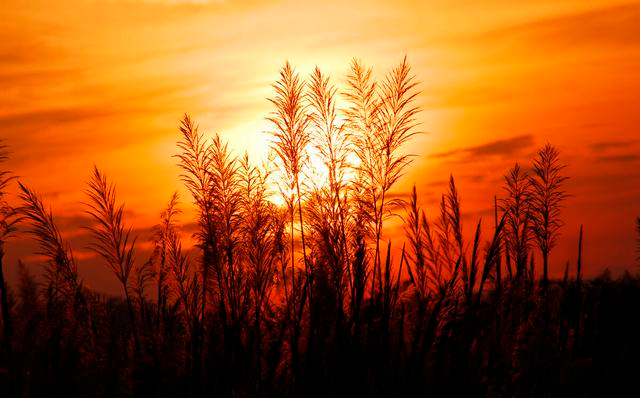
547 196
195 163
290 140
61 269
517 208
162 238
112 239
384 119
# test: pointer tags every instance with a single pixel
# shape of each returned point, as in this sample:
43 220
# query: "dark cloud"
502 148
47 117
487 215
602 146
474 178
621 158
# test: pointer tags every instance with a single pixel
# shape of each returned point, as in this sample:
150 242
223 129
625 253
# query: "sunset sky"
106 82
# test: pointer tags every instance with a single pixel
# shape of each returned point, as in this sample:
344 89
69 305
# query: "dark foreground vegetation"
310 298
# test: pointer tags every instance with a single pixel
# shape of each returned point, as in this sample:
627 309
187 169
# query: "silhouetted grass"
311 298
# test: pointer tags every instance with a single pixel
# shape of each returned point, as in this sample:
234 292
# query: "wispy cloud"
621 158
610 26
503 148
602 146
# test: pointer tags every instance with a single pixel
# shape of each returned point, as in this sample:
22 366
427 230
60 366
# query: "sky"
106 83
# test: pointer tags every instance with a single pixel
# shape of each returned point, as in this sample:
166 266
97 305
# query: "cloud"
621 158
613 151
38 119
502 148
615 26
603 146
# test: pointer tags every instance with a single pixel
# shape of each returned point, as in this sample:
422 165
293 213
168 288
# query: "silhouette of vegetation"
311 298
638 238
547 197
7 223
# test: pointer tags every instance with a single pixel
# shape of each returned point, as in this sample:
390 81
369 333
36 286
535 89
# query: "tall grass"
638 238
382 118
7 228
546 200
62 270
112 239
291 138
194 162
310 298
517 208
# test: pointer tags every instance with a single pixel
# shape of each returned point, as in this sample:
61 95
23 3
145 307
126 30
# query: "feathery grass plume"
330 137
259 234
394 125
226 198
162 233
384 119
111 238
184 283
143 274
547 195
7 213
415 223
195 162
453 215
8 220
290 141
498 265
491 258
184 287
415 233
517 208
435 261
332 142
363 101
68 313
446 248
61 271
331 213
232 287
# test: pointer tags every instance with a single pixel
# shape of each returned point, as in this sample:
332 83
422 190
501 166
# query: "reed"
547 197
195 162
310 297
8 220
517 208
290 121
61 270
162 239
112 239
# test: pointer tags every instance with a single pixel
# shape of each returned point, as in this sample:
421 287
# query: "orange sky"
106 82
